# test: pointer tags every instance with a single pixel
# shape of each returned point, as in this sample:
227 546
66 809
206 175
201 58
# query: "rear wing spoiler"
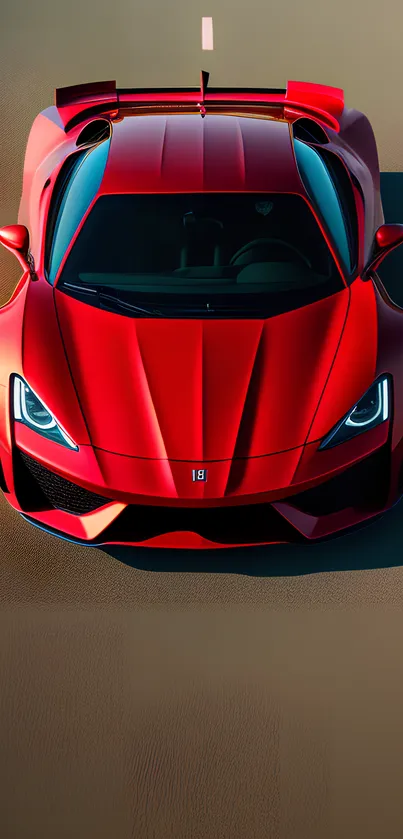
319 102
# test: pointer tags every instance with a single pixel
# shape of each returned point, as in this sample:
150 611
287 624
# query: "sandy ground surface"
253 694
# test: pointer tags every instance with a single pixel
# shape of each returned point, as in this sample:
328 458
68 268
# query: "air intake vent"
309 131
364 485
63 494
94 132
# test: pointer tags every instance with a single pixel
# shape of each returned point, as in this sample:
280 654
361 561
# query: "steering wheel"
256 243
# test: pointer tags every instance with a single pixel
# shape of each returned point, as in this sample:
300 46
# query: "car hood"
200 390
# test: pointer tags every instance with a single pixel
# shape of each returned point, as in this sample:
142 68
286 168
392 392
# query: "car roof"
187 153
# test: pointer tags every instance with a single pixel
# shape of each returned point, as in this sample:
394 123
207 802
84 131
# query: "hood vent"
94 132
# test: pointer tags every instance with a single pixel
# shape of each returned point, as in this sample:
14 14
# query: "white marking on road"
207 33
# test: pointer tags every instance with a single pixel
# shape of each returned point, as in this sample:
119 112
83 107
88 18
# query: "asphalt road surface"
252 694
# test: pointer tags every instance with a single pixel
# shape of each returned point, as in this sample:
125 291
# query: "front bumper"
315 506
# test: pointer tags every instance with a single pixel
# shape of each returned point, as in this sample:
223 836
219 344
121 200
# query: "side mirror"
387 237
15 237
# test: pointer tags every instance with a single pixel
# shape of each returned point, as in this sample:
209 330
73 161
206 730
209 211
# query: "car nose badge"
199 474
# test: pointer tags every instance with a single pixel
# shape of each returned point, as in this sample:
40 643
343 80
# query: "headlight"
372 409
30 410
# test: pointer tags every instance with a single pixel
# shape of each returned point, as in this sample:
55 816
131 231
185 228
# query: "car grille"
363 485
60 493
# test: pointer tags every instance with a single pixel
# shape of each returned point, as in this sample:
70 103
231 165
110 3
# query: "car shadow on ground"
376 545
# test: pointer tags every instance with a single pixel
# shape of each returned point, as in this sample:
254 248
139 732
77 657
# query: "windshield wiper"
166 309
170 308
141 310
111 299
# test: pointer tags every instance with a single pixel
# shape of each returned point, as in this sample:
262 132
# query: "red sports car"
199 353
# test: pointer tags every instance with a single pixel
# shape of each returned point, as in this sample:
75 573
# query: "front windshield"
205 249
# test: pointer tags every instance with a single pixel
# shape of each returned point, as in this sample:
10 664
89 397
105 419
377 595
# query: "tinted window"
232 246
343 184
77 191
321 188
66 172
